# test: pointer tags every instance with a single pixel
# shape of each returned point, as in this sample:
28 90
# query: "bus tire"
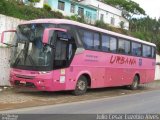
135 83
81 86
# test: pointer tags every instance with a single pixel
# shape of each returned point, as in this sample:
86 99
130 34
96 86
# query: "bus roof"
70 22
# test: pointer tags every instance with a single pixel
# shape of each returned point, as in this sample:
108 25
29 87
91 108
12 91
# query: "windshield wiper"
31 60
17 59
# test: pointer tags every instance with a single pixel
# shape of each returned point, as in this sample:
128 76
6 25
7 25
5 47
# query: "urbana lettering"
122 60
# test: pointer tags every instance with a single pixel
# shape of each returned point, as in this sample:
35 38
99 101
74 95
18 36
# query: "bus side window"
105 43
113 44
124 46
147 51
96 41
136 49
153 52
90 39
87 38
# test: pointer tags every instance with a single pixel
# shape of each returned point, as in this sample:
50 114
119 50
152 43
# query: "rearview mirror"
47 31
7 37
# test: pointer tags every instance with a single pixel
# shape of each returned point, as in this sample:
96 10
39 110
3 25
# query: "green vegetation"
128 7
47 7
14 9
76 18
145 28
103 25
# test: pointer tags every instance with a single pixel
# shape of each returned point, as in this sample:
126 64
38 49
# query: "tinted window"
113 44
87 38
91 40
147 51
96 41
105 43
153 52
109 43
136 49
124 46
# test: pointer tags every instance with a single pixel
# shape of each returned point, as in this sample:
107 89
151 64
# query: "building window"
88 17
80 11
88 14
72 8
61 5
102 17
106 13
112 20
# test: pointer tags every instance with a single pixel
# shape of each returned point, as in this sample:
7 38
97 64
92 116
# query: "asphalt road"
146 102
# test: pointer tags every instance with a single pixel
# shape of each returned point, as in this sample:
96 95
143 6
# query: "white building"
39 4
107 13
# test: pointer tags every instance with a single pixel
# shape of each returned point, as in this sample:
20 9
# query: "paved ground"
140 103
13 98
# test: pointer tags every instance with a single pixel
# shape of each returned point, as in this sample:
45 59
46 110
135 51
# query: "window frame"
93 37
130 47
72 9
144 45
113 21
60 3
80 9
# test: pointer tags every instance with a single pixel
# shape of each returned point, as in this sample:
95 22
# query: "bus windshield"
30 51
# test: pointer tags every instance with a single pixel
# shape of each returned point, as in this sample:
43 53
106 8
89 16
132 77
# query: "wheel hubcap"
135 84
81 85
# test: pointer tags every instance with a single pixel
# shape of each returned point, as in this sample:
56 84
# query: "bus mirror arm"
47 31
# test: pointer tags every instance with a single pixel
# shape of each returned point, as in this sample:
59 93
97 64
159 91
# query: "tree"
128 7
147 29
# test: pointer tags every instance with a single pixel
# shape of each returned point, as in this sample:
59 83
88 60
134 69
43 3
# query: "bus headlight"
43 72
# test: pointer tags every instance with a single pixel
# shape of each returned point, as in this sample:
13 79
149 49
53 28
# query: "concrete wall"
4 66
157 73
6 23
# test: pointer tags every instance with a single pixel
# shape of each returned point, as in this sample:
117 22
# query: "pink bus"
58 55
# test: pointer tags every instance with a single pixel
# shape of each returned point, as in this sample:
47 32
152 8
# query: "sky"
151 7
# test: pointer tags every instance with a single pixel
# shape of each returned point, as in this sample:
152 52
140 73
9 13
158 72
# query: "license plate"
23 82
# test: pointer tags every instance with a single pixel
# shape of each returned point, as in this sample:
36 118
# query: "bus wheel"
81 86
135 83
